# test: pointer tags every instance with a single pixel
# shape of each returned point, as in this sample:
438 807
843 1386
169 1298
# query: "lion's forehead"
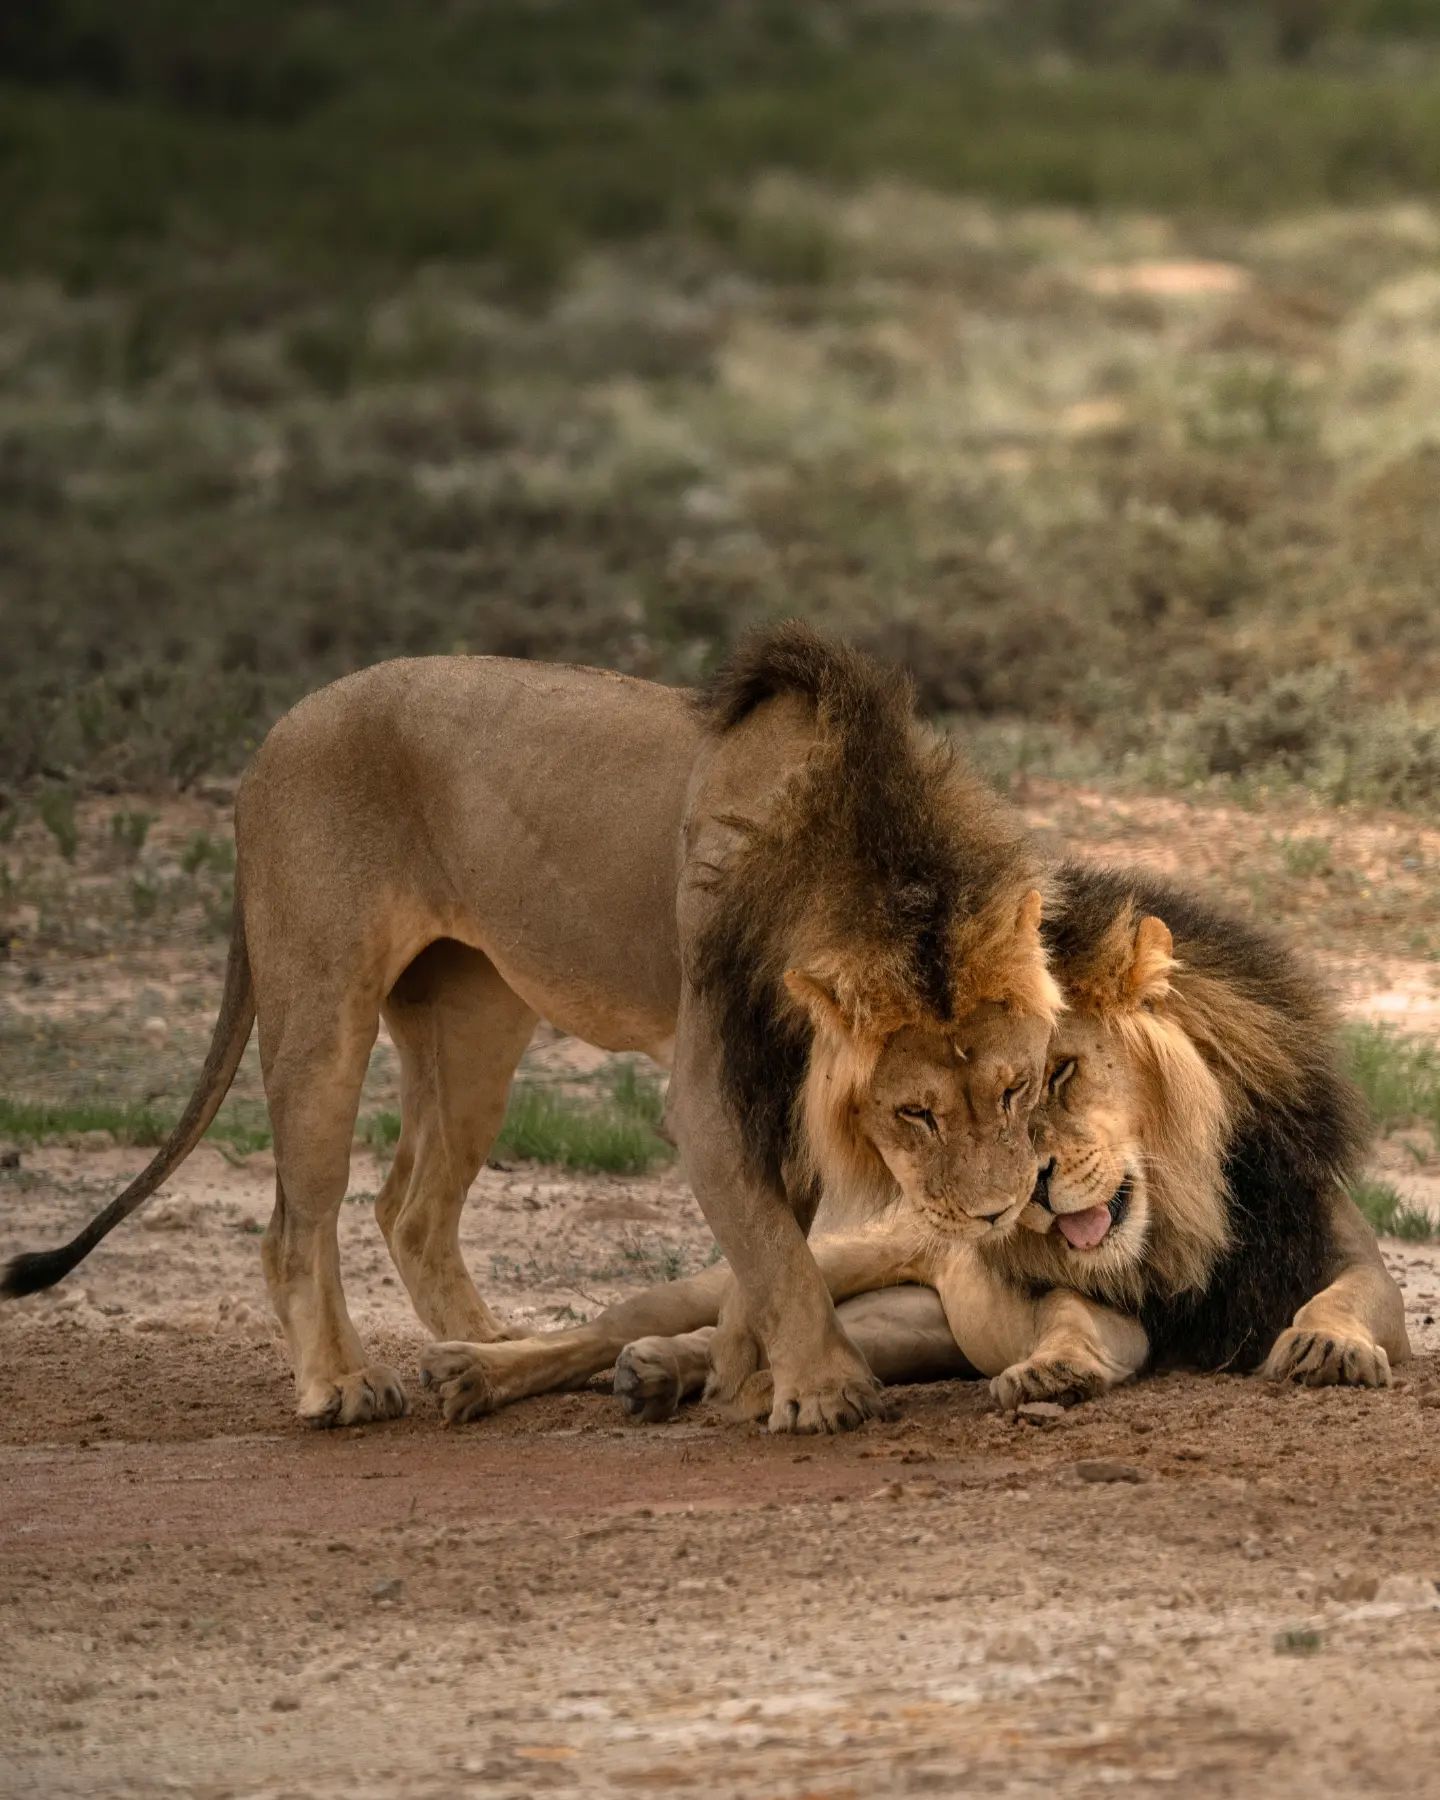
956 1055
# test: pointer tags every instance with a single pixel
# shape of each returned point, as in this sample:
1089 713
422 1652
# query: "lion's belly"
613 1019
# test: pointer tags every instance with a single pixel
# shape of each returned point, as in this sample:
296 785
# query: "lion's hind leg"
314 1051
460 1031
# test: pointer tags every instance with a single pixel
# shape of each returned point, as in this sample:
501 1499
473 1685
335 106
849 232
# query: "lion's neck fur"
881 866
1184 1131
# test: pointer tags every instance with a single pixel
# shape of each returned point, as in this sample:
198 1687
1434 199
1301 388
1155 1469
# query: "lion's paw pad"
1064 1383
1327 1359
647 1381
356 1398
460 1379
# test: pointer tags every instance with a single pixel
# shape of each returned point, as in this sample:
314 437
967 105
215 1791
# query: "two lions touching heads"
1089 1123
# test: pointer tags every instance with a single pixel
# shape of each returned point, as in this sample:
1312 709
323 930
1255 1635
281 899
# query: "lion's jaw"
944 1114
1098 1227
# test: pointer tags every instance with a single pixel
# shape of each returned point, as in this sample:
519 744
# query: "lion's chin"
961 1227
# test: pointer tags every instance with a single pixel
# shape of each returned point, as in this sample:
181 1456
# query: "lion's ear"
1151 960
819 1000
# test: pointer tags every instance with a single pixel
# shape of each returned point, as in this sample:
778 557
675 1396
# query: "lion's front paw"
355 1398
846 1400
1062 1380
1327 1359
647 1381
461 1381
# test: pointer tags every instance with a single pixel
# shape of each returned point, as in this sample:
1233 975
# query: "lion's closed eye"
917 1115
1060 1074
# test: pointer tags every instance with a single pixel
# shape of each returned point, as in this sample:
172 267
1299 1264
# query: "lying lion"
1195 1138
787 888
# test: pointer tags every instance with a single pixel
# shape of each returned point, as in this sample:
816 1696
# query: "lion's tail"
38 1269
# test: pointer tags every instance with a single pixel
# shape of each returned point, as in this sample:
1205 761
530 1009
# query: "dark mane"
882 847
853 690
1297 1127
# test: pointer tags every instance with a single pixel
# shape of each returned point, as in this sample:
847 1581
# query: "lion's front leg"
471 1380
735 1350
1080 1350
821 1382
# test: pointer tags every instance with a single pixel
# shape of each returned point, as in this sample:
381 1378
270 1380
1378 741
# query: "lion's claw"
1326 1359
1059 1381
835 1407
358 1397
460 1380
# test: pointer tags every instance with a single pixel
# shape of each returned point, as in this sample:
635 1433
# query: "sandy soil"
199 1597
1205 1587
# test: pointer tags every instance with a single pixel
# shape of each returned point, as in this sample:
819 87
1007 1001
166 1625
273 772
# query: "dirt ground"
1196 1586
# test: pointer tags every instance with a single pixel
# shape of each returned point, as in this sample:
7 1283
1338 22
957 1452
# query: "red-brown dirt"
1207 1587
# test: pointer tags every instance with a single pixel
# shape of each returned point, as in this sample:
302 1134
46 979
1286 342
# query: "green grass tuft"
381 1131
1306 856
614 1132
1399 1076
129 830
56 807
1392 1214
127 1124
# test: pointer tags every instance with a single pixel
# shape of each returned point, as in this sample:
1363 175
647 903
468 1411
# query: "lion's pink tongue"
1084 1230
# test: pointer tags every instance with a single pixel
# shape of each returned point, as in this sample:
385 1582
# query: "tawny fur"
1216 1076
466 845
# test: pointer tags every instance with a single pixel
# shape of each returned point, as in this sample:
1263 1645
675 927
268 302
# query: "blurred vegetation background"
1085 356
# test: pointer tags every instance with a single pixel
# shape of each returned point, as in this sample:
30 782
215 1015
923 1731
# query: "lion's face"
947 1110
1091 1194
1129 1129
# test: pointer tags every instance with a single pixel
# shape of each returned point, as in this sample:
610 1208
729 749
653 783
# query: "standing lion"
785 888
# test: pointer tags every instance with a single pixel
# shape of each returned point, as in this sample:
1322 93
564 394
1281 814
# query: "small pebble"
1040 1412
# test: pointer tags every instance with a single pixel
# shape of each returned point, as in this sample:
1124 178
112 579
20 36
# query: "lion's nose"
1041 1195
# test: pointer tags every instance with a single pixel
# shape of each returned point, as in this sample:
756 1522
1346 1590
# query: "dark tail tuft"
39 1269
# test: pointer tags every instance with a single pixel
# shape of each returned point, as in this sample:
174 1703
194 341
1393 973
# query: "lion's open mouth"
1089 1229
